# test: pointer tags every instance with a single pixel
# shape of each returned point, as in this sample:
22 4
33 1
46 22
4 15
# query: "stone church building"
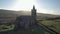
25 21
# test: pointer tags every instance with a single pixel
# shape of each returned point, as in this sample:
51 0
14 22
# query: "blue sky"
44 6
6 3
50 4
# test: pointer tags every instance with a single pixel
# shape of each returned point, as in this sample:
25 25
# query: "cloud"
49 11
22 5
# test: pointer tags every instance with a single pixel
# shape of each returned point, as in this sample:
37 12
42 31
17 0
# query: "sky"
42 6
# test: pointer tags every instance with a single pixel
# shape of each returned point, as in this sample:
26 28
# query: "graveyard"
27 24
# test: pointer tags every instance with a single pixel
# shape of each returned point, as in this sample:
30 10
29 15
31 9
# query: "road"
51 31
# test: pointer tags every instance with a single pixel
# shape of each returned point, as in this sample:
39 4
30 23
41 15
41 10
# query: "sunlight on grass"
5 27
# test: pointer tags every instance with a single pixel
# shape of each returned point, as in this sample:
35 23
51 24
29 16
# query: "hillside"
9 15
46 16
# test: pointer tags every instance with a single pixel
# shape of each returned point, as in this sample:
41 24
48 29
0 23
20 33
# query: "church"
26 21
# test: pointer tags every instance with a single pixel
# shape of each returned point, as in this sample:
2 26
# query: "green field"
53 24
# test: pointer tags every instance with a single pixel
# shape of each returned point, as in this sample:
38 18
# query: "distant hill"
9 15
45 16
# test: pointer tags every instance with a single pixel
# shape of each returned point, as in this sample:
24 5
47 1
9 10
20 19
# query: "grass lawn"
53 24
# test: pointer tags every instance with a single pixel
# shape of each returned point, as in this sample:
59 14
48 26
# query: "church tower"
33 12
33 15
